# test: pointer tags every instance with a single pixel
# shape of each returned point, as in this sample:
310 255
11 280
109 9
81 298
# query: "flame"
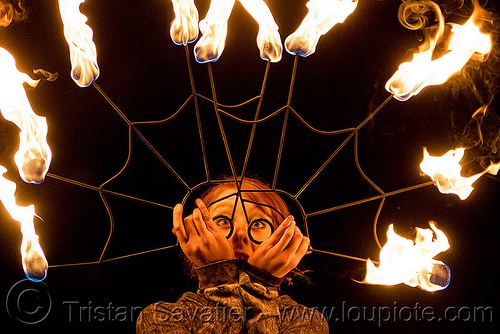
321 17
411 262
493 169
466 42
214 30
268 38
34 155
34 262
184 27
445 171
82 50
11 11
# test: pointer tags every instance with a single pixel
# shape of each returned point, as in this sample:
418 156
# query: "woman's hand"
283 251
199 237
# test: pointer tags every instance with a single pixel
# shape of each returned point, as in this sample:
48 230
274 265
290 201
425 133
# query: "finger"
298 249
286 237
299 253
207 217
295 242
190 226
276 236
199 222
203 209
303 247
178 228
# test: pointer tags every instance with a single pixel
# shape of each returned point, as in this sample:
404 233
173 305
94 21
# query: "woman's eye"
258 224
222 221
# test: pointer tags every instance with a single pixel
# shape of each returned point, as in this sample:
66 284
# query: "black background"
145 74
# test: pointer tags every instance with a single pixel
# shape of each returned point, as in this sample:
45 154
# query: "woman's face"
224 211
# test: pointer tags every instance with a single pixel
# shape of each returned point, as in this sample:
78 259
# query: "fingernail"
177 207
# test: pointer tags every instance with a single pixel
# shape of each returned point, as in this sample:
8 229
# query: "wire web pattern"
221 112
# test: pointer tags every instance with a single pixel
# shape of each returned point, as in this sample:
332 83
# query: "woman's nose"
240 233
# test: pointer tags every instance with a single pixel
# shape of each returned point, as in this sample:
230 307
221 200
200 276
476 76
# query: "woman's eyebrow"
260 217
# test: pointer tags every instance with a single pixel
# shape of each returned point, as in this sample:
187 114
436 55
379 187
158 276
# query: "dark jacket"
233 297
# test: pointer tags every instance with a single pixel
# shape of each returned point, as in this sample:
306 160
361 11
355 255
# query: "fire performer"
240 243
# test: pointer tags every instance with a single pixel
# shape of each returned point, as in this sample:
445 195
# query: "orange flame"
321 17
82 50
214 30
10 11
34 155
34 262
466 42
411 262
445 171
184 27
268 38
493 169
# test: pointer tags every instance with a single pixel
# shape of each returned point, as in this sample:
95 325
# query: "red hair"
254 191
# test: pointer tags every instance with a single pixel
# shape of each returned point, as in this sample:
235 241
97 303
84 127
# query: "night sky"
146 76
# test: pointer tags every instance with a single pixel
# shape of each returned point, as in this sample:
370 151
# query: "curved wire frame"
222 110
